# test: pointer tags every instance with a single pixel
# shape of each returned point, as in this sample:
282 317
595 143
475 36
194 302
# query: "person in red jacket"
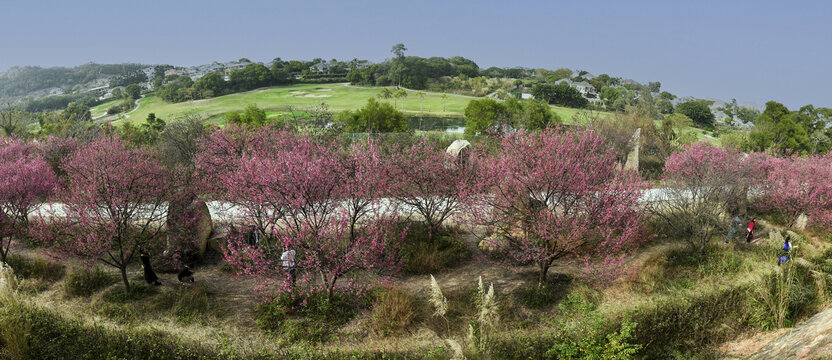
750 236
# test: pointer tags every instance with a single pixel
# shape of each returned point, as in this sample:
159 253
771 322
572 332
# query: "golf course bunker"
323 89
297 93
317 96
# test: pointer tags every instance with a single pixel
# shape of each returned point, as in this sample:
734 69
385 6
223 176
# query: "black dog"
185 275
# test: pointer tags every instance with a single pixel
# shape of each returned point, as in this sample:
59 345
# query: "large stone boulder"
189 226
459 148
203 226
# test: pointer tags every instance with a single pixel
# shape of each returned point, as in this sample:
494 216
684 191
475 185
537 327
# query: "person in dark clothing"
149 275
185 275
750 236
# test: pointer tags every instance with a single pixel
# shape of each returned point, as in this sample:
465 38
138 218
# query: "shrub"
587 334
691 323
542 297
394 312
308 315
84 282
423 256
580 332
36 268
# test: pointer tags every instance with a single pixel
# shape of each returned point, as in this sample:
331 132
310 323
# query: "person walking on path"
735 227
288 258
149 275
750 236
787 250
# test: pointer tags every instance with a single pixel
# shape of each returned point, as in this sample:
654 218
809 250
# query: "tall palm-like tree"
421 96
402 93
385 94
444 97
396 95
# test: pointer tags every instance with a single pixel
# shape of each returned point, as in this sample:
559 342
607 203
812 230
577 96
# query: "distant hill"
36 82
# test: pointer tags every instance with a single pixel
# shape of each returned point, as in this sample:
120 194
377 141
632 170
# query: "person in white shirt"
288 258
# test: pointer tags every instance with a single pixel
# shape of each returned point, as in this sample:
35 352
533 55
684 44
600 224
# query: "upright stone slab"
632 157
204 226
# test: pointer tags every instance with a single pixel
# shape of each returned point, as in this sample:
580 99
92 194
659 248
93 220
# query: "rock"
459 149
189 225
219 234
810 340
203 226
632 157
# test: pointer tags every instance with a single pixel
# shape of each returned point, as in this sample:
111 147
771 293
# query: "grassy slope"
101 110
340 97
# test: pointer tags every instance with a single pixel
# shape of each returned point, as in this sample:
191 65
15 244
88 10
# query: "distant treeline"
60 102
174 88
21 81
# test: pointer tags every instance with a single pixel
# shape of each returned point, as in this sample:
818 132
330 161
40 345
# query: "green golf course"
277 99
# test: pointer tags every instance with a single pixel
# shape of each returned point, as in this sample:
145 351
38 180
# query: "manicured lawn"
101 110
337 96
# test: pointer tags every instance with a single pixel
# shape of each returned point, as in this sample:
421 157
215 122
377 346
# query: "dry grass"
394 313
13 330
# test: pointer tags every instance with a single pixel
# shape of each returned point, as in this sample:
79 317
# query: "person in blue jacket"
787 250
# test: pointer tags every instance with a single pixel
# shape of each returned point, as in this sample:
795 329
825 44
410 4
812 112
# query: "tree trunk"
541 280
124 278
330 288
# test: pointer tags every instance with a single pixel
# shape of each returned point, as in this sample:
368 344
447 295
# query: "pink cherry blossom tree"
365 182
26 182
700 184
114 203
427 181
306 196
799 185
549 195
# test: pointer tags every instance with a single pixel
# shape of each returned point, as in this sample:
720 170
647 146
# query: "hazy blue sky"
750 50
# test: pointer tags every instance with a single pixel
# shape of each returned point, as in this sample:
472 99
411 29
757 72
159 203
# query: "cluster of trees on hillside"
175 88
802 131
411 71
20 81
133 77
488 116
60 102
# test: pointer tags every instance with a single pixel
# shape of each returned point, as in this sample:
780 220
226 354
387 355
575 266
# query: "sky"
754 51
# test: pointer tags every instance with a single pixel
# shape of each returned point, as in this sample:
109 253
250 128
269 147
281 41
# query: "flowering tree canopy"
800 185
551 194
26 182
428 181
702 181
306 196
115 202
